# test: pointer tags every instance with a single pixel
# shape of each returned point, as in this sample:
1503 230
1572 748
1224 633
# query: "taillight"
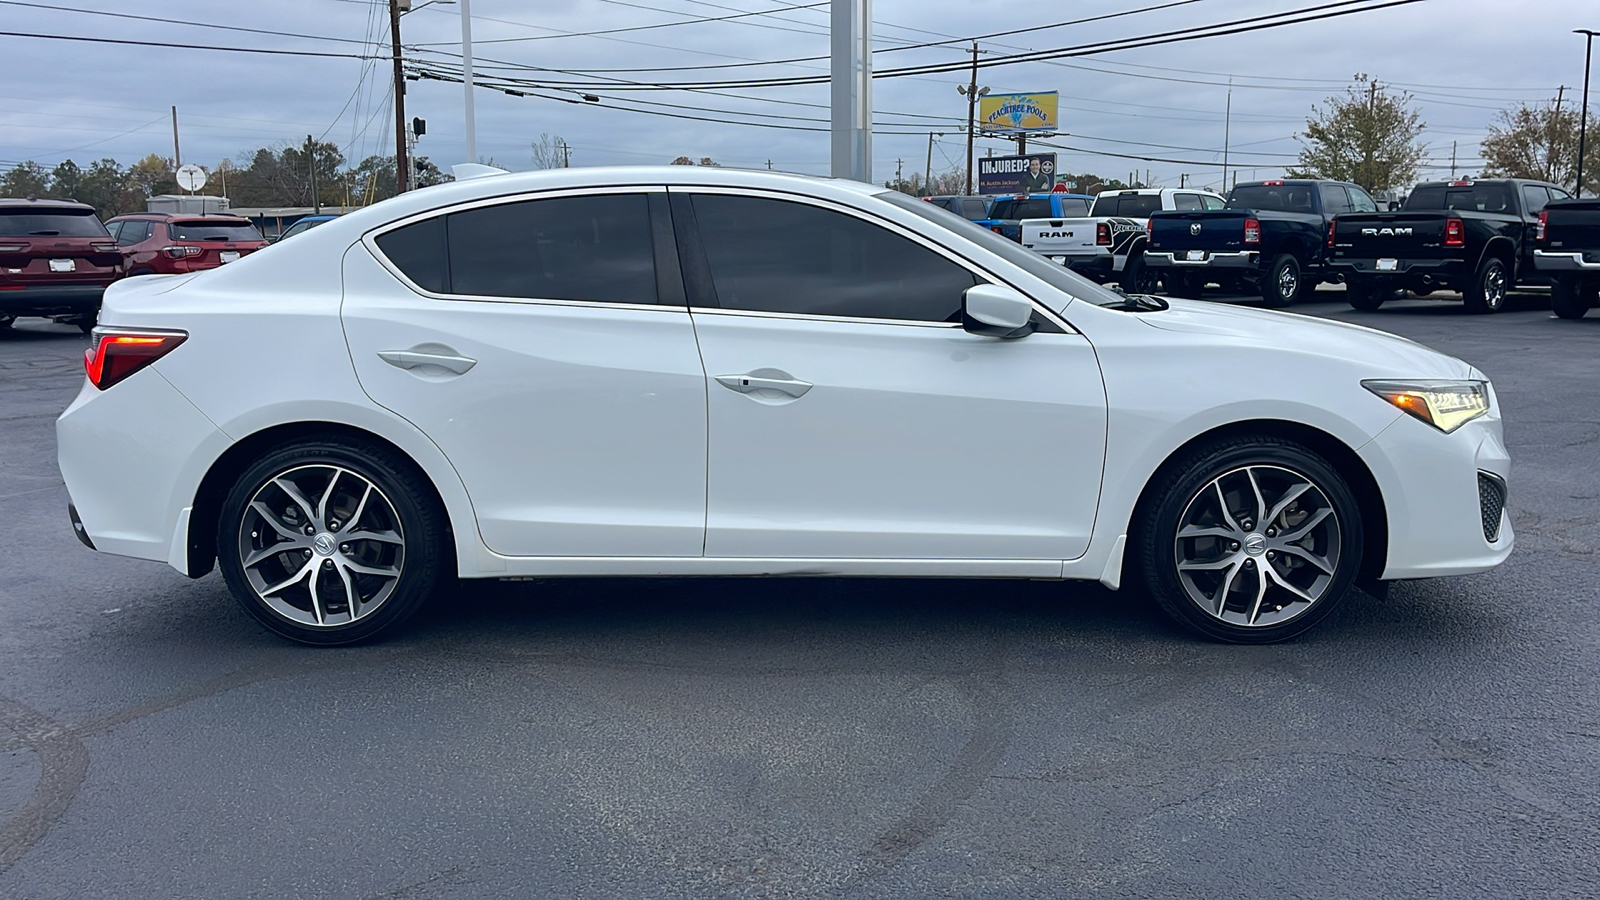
1102 234
1544 223
104 248
181 252
1455 233
116 355
1252 231
1330 232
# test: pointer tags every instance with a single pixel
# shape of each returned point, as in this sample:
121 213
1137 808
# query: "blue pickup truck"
1008 210
1271 238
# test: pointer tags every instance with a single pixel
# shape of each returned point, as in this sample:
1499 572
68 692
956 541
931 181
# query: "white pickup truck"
1109 244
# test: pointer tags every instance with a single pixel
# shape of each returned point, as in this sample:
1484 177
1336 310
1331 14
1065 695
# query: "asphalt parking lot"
835 738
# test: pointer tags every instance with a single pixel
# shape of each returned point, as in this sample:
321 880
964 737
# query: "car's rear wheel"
1251 540
1364 296
1572 296
331 542
1282 283
1187 285
1487 293
1138 278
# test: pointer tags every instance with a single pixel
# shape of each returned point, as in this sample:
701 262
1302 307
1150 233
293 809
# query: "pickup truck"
1008 211
1270 238
1108 244
1567 248
1473 236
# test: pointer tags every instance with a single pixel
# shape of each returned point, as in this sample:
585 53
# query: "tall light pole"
1583 117
466 79
851 91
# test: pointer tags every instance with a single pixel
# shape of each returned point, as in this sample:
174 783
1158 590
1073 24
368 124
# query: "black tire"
1138 278
1364 295
408 526
1487 293
1283 282
1181 493
1187 285
1572 296
85 323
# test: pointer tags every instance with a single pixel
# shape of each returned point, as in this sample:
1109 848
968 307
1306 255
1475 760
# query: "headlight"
1446 405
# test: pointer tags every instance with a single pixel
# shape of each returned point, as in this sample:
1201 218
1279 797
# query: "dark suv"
175 243
56 260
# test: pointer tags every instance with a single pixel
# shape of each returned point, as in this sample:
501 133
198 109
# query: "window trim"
690 263
370 240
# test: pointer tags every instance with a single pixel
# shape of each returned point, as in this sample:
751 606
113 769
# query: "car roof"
168 217
44 203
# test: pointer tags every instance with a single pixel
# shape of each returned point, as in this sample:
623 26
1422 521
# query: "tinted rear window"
1025 208
53 223
215 230
418 250
1275 197
1478 197
1136 206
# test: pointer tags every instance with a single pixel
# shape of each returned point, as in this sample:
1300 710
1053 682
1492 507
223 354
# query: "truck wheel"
1138 278
1364 295
5 322
1188 285
1487 293
1572 297
1282 283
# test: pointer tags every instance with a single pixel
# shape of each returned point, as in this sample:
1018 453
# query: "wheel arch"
1502 247
201 548
1369 497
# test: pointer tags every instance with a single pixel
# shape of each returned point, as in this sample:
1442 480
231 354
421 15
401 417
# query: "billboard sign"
1017 113
1033 173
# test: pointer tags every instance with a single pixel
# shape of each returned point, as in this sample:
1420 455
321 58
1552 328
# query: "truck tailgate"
1573 225
1395 235
1221 229
1059 237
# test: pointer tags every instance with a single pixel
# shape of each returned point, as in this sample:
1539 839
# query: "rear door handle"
415 359
746 384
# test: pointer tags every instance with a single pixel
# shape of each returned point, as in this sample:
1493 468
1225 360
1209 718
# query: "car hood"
1384 353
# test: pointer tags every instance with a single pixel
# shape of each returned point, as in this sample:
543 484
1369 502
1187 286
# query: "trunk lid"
220 240
55 245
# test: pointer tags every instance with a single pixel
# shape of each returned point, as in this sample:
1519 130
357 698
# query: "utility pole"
769 165
1367 139
1555 120
311 160
1452 160
1227 130
899 166
566 154
972 111
177 158
1183 180
1583 119
466 79
927 171
401 182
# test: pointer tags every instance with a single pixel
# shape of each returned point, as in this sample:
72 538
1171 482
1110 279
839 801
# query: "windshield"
1274 197
1134 206
213 230
54 223
1057 276
1479 197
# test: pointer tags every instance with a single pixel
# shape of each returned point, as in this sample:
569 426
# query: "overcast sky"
1460 59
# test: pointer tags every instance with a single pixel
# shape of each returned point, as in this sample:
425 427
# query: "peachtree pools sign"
1012 113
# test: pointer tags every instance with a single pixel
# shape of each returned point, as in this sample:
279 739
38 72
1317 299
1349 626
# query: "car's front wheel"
1250 540
333 541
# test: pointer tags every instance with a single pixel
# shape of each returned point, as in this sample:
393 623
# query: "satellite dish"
191 178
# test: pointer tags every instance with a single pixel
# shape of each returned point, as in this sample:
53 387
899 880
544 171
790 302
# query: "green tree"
1368 136
65 180
29 179
106 187
1542 143
153 175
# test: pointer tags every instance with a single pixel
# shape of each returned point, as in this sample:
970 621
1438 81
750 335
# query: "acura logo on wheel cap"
1255 544
324 544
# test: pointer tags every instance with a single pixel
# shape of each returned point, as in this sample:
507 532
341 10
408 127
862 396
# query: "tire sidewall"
1569 297
1158 524
1269 285
420 521
1477 300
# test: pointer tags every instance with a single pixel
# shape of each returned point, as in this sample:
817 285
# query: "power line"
165 21
173 46
567 34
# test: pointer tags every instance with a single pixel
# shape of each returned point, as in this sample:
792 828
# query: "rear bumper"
1545 261
52 299
1097 265
1229 259
1403 269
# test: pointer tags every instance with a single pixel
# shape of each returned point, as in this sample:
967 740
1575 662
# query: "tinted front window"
777 256
565 248
1334 199
1274 197
52 223
223 230
132 231
1023 208
1212 202
1361 202
1186 201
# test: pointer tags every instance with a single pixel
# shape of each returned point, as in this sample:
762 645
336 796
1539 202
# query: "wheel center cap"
1255 544
324 544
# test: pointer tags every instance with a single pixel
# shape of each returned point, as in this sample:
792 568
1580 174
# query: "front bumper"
1228 259
1545 261
1440 516
50 300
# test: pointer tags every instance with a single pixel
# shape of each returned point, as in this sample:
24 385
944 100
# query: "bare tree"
549 152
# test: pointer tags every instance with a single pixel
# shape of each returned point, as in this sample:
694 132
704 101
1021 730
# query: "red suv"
174 243
55 261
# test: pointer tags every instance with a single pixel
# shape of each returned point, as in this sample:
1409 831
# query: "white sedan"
685 371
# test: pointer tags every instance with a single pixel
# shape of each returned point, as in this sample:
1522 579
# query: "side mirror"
996 311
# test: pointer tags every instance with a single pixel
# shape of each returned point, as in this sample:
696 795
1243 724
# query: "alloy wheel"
321 545
1258 546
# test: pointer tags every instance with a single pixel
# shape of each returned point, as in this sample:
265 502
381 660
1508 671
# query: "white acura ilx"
686 371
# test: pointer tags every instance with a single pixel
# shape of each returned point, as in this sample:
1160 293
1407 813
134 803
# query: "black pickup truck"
1567 248
1270 238
1472 236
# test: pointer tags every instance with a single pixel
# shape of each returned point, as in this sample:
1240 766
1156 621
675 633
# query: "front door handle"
422 359
759 381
